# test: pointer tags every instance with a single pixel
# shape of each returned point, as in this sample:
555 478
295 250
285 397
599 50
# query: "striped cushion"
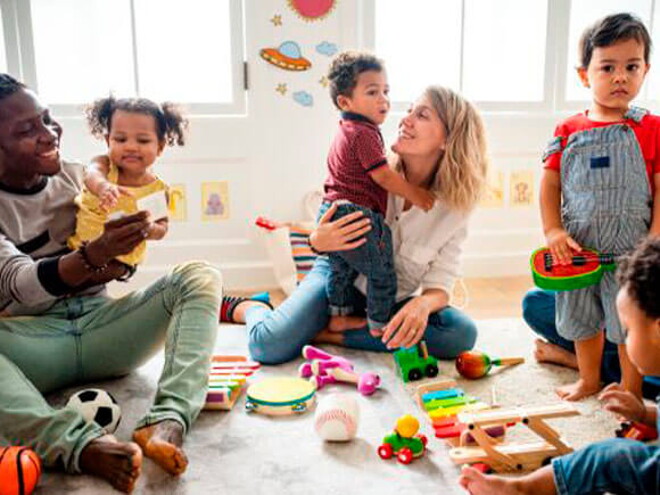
303 257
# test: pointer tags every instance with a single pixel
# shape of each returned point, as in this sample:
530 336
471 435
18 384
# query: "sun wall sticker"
287 56
215 201
312 10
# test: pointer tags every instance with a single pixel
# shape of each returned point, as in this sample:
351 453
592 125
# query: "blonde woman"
441 146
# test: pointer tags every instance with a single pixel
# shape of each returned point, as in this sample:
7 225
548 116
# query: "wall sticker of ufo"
287 56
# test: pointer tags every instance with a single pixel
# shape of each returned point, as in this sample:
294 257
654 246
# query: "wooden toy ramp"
514 456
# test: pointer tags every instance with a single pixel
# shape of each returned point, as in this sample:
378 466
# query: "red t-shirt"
357 150
647 132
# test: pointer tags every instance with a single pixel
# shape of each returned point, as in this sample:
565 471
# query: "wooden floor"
479 297
495 297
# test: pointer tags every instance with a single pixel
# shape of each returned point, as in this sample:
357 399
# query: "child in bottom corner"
600 189
136 130
618 465
359 179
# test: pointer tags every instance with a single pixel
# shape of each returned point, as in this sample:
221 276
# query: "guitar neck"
603 259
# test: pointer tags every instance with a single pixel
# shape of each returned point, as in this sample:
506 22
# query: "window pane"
497 66
82 49
419 40
583 14
3 52
184 50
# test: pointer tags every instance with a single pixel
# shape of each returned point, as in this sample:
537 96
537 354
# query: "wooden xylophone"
227 378
443 401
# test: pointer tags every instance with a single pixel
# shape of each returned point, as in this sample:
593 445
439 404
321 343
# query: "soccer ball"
97 405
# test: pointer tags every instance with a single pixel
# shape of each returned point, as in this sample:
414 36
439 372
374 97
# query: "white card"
116 215
155 204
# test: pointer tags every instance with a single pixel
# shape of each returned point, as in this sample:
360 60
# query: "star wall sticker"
276 20
324 82
281 88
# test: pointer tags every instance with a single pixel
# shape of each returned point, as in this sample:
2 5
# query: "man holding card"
58 327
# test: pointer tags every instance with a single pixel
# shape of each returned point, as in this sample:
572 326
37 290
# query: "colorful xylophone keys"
443 401
227 378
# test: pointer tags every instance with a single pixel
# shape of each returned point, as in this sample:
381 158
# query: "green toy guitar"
586 268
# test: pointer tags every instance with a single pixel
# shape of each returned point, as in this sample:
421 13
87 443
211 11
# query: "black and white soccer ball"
97 405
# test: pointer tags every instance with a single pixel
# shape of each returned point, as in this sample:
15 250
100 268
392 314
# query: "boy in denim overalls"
618 465
601 176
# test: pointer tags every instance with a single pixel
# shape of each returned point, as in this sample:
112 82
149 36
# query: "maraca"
475 364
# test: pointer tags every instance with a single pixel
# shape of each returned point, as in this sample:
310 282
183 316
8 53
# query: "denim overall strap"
606 197
635 114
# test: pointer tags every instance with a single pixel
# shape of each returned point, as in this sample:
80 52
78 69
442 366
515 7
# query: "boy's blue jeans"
621 466
373 259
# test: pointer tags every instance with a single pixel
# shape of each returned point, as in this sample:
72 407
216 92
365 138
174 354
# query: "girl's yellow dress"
91 217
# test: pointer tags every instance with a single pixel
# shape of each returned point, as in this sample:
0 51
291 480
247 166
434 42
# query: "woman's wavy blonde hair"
461 173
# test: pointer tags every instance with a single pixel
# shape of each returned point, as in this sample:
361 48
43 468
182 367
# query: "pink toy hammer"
326 368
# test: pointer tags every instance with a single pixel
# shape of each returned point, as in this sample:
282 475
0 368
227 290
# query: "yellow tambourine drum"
280 396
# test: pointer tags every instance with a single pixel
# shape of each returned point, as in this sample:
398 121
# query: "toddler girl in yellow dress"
136 131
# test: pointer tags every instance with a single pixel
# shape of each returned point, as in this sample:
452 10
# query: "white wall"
276 153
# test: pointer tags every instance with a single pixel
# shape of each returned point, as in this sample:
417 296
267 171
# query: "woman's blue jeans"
618 465
277 336
538 307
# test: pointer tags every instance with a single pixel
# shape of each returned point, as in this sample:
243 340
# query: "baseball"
336 418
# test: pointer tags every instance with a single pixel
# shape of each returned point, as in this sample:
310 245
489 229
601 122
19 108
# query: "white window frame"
556 68
17 24
563 70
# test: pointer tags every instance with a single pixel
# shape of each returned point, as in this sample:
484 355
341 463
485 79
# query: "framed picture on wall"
215 201
522 188
178 203
494 195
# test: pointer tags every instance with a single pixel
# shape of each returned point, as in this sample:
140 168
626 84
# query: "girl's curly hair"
170 123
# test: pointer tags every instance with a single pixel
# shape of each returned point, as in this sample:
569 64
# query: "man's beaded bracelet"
89 266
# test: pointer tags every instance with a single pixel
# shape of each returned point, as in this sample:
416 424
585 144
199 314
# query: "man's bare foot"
340 324
578 390
118 463
546 352
477 483
162 442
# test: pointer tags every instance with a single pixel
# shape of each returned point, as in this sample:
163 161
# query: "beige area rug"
239 453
